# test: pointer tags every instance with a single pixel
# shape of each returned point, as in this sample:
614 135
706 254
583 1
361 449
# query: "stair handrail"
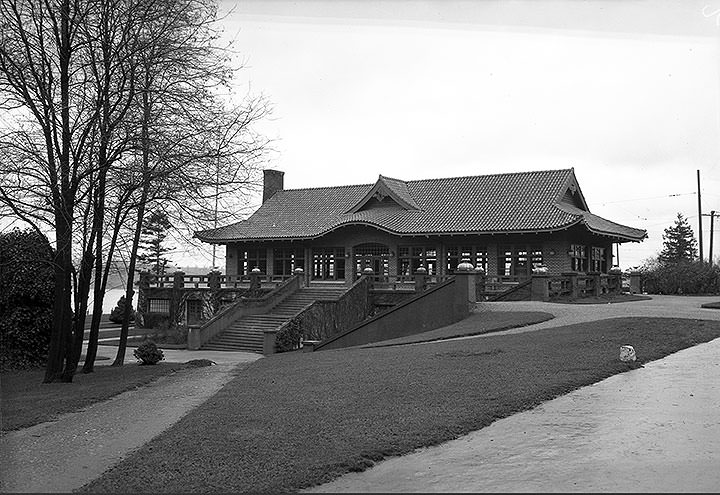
199 335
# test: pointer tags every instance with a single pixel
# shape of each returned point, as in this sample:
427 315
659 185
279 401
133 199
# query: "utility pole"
712 228
700 215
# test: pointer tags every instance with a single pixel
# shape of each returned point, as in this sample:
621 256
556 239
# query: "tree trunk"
81 300
61 306
61 339
145 143
98 297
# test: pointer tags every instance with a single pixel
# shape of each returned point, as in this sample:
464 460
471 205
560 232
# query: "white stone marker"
627 353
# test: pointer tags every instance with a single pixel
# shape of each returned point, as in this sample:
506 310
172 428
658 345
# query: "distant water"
111 298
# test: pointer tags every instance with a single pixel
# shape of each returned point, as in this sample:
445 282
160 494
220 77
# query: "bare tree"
191 144
46 153
113 102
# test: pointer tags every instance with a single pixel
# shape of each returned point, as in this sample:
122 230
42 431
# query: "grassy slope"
475 324
27 401
294 420
602 299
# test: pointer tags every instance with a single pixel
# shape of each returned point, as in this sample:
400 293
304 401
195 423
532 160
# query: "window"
372 255
251 258
578 258
481 258
413 257
477 255
505 261
536 257
328 263
598 262
159 306
286 260
519 260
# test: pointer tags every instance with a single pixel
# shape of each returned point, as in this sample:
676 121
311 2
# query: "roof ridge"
328 187
493 175
425 180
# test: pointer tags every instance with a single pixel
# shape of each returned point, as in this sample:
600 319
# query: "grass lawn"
298 419
475 324
26 401
603 299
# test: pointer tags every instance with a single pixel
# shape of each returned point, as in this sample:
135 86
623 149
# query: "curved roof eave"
615 234
391 231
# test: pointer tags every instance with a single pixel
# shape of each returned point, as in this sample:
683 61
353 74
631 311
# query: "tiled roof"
502 203
600 225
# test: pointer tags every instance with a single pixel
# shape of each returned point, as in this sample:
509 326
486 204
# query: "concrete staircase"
246 334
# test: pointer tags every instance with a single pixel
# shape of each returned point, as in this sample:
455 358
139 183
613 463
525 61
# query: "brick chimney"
272 183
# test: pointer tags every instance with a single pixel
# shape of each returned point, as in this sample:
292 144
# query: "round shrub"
148 353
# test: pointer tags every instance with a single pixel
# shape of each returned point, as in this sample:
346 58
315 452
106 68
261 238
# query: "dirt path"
63 455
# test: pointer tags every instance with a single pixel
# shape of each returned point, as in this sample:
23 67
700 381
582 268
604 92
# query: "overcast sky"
627 93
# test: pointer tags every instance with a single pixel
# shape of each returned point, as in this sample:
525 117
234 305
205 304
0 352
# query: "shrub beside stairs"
246 334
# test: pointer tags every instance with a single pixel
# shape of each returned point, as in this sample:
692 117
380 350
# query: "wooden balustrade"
225 281
404 282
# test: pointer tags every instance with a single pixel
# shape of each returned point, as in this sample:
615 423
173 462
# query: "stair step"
246 334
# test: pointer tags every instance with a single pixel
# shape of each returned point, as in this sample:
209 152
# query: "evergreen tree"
152 242
679 243
116 315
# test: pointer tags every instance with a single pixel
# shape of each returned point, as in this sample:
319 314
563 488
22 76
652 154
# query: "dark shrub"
118 312
199 363
289 337
681 278
152 320
148 353
26 298
164 333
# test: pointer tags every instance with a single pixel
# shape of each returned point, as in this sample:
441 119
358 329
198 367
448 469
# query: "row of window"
329 263
581 262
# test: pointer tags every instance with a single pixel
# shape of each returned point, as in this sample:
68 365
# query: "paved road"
568 314
654 429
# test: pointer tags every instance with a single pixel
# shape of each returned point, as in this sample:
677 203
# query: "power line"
654 197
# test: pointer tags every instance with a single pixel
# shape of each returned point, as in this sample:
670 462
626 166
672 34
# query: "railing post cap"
465 266
540 270
255 270
299 270
421 271
368 271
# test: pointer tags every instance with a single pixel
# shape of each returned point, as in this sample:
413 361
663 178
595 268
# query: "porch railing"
501 283
225 281
404 282
578 285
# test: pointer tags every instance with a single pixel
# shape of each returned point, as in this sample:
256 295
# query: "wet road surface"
653 429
